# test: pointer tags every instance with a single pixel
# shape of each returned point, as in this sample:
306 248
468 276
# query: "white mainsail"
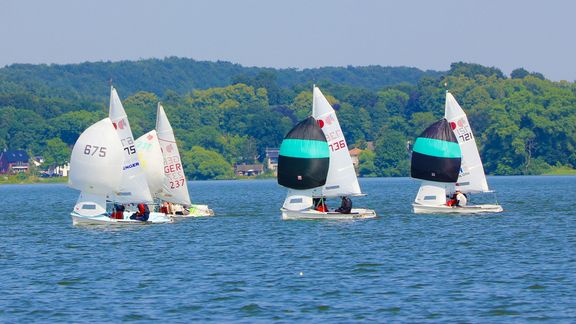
150 157
342 180
96 161
134 188
471 178
175 188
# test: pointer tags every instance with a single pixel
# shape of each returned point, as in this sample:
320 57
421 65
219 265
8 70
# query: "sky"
428 34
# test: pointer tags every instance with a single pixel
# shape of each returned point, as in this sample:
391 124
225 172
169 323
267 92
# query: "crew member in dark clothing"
345 206
142 214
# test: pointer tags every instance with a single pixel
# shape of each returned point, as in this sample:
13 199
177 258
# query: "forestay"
133 188
174 188
471 177
341 180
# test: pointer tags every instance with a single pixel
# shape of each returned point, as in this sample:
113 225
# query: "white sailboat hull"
104 219
356 213
443 209
196 211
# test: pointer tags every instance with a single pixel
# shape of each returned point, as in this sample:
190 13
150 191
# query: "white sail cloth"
96 160
133 188
175 187
96 167
433 193
150 157
471 178
341 180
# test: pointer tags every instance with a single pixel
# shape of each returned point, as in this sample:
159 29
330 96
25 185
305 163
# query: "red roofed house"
14 161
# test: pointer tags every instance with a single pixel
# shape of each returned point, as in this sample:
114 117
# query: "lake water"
247 265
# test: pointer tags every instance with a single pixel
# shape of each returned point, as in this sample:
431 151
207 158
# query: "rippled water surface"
248 265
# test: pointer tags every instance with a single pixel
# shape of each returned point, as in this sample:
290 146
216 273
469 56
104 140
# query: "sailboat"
471 178
313 147
160 157
446 158
104 167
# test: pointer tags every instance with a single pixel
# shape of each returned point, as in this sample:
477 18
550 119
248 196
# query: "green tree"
391 154
519 73
366 167
202 164
141 109
471 70
55 152
70 125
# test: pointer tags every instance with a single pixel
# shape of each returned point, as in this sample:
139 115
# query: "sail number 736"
337 145
93 149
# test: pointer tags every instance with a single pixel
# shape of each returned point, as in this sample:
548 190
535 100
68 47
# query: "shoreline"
64 180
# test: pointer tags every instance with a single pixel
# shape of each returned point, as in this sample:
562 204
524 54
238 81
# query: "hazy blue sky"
428 34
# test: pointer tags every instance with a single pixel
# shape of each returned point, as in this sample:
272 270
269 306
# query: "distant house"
272 158
248 169
59 171
355 155
38 160
14 161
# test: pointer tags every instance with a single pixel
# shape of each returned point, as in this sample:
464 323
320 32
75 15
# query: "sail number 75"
93 149
337 145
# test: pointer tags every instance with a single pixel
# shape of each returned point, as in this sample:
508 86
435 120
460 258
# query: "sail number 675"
93 149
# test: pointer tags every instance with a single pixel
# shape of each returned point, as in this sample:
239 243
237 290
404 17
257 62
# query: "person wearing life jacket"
320 204
117 212
452 201
142 214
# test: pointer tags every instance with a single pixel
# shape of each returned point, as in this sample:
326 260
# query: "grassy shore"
561 171
26 179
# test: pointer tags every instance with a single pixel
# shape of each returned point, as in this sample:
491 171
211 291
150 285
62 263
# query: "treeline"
89 81
524 124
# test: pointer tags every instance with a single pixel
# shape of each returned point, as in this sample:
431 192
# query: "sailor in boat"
458 199
174 209
461 199
117 211
142 214
167 208
180 209
320 204
345 206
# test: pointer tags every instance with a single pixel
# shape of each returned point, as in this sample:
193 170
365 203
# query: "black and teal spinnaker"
436 155
304 157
